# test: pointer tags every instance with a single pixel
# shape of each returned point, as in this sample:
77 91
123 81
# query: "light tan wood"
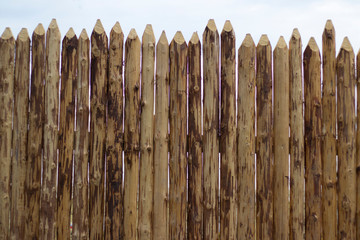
52 76
114 138
210 130
19 139
345 69
80 229
357 162
7 51
281 140
264 156
146 184
178 161
297 157
328 143
131 133
98 99
312 93
161 139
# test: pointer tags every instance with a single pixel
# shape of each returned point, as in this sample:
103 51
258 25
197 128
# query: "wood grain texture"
358 148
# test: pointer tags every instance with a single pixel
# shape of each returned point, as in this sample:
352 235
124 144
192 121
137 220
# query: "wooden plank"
228 135
210 130
281 140
7 51
297 155
195 200
328 144
114 137
358 148
20 133
264 158
161 139
52 76
66 132
80 229
146 183
312 93
345 69
178 161
98 100
131 133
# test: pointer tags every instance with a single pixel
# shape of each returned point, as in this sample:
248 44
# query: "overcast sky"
274 18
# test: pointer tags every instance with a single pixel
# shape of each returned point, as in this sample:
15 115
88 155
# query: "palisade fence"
163 150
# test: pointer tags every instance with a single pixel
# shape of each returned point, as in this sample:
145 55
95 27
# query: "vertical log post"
358 147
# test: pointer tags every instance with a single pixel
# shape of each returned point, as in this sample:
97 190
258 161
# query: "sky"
275 18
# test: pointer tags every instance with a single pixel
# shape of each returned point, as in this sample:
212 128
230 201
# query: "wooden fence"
174 147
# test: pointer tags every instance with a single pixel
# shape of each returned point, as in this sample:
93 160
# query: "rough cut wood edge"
264 158
52 76
246 140
178 161
80 229
131 133
358 147
211 130
7 51
312 93
297 157
161 139
328 143
20 133
98 100
114 138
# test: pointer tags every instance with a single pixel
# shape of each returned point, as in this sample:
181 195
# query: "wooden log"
246 140
178 161
114 138
146 183
20 133
131 133
358 148
7 51
281 140
66 132
345 69
98 100
195 200
297 157
264 158
35 134
228 135
161 139
80 229
211 130
52 76
328 143
312 93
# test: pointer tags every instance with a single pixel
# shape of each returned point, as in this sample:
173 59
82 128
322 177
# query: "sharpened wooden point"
132 34
211 25
227 26
117 28
39 30
23 35
329 25
179 38
248 41
149 29
312 45
53 23
163 39
99 27
148 34
281 43
195 38
7 34
83 34
346 45
295 34
70 34
264 40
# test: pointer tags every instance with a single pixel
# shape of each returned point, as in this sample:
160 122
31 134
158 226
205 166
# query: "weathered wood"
80 229
246 140
210 130
161 139
114 138
328 143
35 134
131 133
146 183
19 138
345 69
195 212
264 158
281 140
98 100
358 148
7 50
52 76
178 161
312 93
297 157
228 135
66 132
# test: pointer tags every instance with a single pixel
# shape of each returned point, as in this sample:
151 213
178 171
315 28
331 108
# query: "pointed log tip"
70 34
329 25
99 29
211 25
313 45
23 35
295 34
248 41
281 43
195 38
227 27
7 34
346 45
149 33
163 39
39 30
83 34
117 28
179 38
53 24
132 34
264 40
